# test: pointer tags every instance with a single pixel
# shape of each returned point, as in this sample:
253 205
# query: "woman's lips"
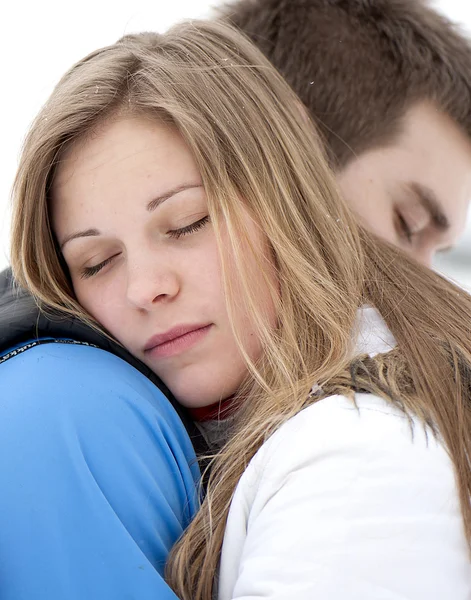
177 344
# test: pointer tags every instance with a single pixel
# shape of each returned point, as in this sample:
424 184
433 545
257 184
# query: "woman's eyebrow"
80 234
153 204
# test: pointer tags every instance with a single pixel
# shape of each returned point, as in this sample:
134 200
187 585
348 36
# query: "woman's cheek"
95 299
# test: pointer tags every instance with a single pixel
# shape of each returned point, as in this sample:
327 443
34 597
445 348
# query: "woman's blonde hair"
251 141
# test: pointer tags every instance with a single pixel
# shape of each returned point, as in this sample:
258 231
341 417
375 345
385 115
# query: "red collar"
213 412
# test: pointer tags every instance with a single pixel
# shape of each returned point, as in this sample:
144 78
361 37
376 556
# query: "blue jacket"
98 475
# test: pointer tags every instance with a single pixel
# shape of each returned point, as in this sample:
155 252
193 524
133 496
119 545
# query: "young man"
389 84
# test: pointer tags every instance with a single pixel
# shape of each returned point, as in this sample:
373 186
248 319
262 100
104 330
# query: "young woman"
172 193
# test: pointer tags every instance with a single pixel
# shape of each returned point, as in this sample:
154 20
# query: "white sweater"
347 504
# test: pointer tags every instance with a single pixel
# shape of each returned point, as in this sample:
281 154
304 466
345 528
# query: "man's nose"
425 254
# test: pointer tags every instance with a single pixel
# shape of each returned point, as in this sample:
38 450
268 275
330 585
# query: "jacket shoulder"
339 423
94 455
75 376
347 501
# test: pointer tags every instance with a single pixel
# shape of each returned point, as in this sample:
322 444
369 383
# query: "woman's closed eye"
91 271
87 272
192 228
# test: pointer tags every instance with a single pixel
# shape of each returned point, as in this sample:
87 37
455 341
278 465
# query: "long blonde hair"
251 140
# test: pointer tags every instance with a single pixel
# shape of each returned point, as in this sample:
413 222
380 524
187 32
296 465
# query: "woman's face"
130 215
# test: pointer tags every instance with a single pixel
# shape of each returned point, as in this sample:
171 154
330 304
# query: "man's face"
414 192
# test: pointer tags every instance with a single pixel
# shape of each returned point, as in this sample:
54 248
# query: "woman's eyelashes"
91 271
176 234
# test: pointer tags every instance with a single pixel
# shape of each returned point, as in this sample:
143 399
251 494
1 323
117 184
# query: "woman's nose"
151 284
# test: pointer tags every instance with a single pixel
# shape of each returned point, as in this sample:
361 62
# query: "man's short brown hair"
358 65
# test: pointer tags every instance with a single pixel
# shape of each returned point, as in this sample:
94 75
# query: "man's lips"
175 340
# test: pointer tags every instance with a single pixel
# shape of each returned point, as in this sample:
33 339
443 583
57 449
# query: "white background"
41 39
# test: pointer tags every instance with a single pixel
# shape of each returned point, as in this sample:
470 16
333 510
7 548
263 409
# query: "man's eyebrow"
430 202
153 204
80 234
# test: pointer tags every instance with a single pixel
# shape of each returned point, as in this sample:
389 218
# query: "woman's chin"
200 396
